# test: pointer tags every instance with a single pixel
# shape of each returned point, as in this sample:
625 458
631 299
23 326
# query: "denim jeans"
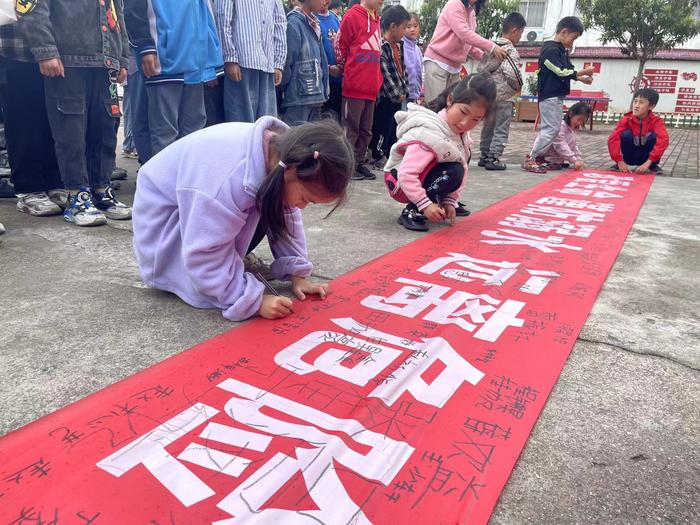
79 107
550 123
128 143
174 110
251 98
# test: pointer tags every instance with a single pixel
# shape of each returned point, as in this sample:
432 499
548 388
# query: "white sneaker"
37 204
2 229
82 212
59 197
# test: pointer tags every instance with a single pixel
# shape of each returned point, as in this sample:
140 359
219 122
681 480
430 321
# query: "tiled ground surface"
681 158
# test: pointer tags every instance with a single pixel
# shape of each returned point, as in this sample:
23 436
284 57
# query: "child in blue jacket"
305 79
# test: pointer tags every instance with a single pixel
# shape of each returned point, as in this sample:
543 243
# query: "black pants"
383 128
441 180
82 114
30 145
335 100
634 151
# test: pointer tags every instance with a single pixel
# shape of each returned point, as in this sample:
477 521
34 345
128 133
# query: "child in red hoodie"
358 52
640 138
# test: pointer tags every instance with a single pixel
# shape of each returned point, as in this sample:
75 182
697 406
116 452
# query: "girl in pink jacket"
427 167
564 152
453 41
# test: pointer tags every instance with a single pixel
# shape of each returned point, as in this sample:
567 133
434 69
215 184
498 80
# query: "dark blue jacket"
305 79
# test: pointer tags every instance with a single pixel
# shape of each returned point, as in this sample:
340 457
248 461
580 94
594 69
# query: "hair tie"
316 154
282 164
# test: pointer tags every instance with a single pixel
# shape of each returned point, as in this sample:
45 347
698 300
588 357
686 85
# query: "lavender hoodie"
194 216
413 57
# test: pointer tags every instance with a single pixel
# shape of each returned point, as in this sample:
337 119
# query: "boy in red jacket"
640 138
358 51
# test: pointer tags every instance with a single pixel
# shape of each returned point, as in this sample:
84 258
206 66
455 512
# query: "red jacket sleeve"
343 39
661 141
614 140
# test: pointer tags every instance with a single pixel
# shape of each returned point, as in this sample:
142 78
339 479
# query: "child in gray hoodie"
509 81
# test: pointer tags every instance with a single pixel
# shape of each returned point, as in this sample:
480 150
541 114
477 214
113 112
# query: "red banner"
405 397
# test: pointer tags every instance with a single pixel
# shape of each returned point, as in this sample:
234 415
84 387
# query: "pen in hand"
268 286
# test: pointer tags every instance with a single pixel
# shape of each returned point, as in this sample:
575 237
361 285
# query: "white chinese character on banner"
422 354
471 269
382 459
563 213
576 204
418 296
540 225
497 275
589 193
512 237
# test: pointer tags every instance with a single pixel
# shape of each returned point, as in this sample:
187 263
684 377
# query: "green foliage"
491 17
530 87
641 28
488 22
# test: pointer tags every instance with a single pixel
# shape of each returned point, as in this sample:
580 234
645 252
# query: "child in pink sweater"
453 41
564 153
427 166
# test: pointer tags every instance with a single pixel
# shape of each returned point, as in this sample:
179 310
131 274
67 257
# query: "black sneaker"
119 174
461 211
494 164
413 220
482 162
614 167
365 172
656 168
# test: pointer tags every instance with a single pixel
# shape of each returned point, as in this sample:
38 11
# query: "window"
534 12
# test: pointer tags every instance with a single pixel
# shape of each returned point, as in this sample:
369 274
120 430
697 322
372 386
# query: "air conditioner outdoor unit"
533 35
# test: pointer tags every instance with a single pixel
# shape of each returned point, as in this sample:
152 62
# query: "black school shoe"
482 162
362 172
461 211
494 164
413 220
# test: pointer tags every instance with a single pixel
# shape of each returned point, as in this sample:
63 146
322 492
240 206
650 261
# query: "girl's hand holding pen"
275 306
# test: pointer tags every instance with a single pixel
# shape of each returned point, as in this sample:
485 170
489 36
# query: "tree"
641 28
488 23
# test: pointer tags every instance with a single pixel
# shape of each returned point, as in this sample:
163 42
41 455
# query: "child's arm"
291 259
561 146
459 24
560 66
614 147
38 34
293 44
280 38
416 161
343 39
225 16
662 141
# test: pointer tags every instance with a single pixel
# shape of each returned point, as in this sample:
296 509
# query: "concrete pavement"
618 441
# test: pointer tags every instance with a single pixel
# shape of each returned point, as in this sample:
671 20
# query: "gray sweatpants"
550 123
494 134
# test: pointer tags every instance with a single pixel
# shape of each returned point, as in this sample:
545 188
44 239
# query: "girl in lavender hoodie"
208 199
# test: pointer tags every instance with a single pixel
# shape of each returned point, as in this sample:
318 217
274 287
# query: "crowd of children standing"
187 65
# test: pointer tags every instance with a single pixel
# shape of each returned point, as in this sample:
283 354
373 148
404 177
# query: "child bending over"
427 166
564 152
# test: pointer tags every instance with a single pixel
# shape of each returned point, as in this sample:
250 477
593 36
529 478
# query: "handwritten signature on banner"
358 354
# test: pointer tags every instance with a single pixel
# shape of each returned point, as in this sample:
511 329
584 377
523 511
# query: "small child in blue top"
305 79
330 23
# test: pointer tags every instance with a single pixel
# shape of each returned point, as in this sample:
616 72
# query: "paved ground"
681 158
617 441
